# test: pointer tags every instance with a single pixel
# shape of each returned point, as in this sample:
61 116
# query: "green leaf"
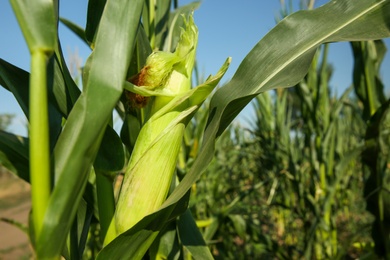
366 79
16 150
141 53
191 238
141 242
95 11
79 231
283 56
111 156
78 143
211 229
63 92
166 245
135 242
76 29
384 134
161 21
37 20
375 158
239 224
16 81
281 59
4 162
130 131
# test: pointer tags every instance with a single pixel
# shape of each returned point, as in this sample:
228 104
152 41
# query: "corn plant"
224 199
369 89
141 65
296 218
311 191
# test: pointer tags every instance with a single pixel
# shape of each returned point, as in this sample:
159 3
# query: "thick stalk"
39 140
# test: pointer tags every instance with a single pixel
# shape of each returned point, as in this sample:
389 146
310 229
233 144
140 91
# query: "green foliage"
291 185
375 157
75 157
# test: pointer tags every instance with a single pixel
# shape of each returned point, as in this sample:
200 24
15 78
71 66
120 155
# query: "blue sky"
226 28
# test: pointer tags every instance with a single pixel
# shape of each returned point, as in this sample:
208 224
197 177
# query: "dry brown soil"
15 205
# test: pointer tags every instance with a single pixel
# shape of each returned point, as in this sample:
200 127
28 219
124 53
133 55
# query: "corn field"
308 179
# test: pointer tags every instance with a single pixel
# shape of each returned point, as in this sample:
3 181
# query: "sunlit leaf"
78 143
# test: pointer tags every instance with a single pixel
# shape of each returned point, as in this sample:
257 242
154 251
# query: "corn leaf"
36 19
368 86
281 59
135 242
141 53
161 21
79 231
78 144
15 80
375 157
16 151
95 11
76 29
111 156
62 94
166 245
191 238
239 224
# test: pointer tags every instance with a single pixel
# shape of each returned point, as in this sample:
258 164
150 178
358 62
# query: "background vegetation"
297 184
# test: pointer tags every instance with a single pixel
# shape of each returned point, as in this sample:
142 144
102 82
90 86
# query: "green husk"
153 161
